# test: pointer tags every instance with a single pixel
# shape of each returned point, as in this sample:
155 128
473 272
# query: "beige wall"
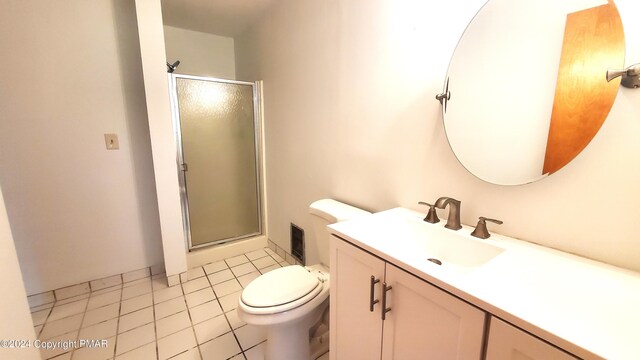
15 319
350 113
72 73
200 53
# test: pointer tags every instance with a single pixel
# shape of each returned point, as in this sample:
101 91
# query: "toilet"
292 302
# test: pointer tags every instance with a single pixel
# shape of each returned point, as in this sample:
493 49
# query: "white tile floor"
142 318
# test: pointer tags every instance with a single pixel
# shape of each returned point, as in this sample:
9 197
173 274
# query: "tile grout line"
86 306
73 350
225 315
193 326
243 350
233 331
139 326
153 307
254 265
115 346
175 332
55 297
121 287
276 263
46 319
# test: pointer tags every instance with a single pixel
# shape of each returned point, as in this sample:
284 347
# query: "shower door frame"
182 180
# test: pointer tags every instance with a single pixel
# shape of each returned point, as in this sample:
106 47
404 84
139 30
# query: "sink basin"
452 248
403 235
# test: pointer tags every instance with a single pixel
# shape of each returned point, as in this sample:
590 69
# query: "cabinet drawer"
507 342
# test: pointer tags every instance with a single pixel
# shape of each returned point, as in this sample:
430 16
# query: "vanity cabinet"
490 299
423 322
356 332
507 342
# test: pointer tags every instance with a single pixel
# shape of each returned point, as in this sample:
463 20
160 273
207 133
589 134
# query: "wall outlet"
111 141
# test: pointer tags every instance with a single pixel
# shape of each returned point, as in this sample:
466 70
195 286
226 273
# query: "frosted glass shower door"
217 136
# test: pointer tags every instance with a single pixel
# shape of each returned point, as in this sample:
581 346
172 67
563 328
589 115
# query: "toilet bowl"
292 302
288 302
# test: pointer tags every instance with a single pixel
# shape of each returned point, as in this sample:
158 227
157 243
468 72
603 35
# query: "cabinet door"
507 342
356 332
427 323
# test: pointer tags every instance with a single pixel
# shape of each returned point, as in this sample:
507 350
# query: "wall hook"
630 76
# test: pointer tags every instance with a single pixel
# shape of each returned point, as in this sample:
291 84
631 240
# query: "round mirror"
526 87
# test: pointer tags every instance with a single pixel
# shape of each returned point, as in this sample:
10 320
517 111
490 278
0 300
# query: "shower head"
172 67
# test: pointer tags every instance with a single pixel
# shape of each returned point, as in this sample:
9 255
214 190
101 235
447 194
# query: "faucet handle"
481 228
432 216
495 221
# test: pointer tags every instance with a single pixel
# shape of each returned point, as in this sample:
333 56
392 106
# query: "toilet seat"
281 290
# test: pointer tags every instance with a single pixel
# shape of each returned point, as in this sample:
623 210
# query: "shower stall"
217 132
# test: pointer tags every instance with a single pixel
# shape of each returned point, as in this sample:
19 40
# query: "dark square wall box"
297 243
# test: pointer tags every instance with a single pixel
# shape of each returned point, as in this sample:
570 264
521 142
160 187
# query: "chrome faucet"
453 222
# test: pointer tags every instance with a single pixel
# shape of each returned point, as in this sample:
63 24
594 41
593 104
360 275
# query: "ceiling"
219 17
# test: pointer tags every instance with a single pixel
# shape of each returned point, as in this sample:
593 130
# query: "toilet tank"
326 212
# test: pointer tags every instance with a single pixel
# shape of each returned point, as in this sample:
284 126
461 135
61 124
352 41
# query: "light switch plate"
111 141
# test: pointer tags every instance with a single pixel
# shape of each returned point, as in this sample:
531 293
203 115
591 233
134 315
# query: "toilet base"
292 340
286 343
319 345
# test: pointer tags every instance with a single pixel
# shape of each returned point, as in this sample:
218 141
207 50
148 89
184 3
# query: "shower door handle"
184 167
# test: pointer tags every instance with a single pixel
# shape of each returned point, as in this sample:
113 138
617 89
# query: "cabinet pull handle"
372 302
385 309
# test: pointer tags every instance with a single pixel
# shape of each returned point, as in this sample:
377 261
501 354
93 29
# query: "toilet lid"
281 286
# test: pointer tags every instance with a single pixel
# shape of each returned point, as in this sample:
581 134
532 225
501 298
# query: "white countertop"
588 308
